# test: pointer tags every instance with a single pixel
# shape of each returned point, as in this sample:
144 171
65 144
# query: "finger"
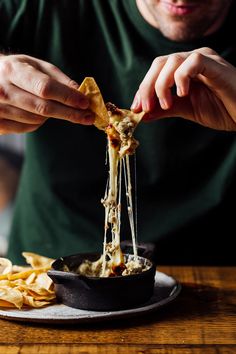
166 80
197 66
54 72
147 87
45 108
9 127
48 68
20 115
165 75
136 106
42 85
205 51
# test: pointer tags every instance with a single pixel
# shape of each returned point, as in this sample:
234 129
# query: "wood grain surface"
201 320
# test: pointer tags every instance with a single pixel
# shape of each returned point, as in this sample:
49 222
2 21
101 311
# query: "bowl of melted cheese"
80 281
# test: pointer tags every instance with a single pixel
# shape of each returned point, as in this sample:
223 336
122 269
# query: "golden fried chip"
90 88
5 283
37 292
27 273
4 276
47 297
44 281
26 286
4 303
17 269
5 266
37 261
97 105
31 278
12 296
30 301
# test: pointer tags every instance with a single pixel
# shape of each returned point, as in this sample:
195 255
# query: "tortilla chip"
17 269
135 117
12 296
30 301
44 281
103 118
5 266
5 283
36 260
26 286
4 303
97 105
31 278
117 115
27 273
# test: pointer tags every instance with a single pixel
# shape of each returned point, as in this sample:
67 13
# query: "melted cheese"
120 145
119 125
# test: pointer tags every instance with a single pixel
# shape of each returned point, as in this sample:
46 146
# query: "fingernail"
74 84
179 91
136 101
163 103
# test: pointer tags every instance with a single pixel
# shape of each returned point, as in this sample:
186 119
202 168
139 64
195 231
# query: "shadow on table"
194 301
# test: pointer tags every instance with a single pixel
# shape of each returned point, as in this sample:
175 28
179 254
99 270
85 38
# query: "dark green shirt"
186 174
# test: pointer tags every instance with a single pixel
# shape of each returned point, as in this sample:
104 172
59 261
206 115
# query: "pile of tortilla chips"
26 286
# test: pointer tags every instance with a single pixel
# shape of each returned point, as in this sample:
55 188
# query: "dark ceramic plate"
166 290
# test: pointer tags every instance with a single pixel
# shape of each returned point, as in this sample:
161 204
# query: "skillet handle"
56 276
59 277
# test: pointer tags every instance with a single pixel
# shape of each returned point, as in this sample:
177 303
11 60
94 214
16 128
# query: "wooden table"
201 320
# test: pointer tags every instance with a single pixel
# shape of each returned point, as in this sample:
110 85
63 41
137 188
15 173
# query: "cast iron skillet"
94 293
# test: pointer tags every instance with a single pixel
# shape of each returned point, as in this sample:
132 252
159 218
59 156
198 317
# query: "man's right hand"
32 90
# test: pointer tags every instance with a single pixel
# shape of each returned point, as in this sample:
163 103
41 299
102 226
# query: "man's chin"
180 34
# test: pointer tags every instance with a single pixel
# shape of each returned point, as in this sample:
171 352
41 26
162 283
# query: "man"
186 170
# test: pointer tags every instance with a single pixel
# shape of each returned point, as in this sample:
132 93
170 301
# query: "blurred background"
11 160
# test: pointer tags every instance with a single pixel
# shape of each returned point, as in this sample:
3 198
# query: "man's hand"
205 85
32 90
